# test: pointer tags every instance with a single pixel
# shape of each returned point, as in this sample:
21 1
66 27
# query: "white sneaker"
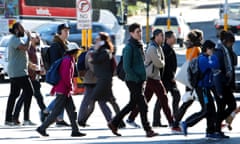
132 123
28 123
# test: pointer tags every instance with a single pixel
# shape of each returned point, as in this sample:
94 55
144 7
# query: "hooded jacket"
66 72
57 49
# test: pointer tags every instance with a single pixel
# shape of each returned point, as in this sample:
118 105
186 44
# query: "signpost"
226 15
84 21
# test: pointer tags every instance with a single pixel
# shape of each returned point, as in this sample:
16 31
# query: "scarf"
136 44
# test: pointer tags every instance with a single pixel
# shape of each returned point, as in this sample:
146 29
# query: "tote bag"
182 75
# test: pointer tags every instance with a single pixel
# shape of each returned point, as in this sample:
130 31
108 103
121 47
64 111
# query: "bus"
56 9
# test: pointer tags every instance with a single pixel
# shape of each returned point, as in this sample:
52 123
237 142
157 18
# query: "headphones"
59 31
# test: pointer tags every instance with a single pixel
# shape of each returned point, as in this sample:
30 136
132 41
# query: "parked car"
236 49
4 54
233 11
48 30
178 25
233 25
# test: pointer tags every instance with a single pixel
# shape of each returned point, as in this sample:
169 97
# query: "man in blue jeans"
57 50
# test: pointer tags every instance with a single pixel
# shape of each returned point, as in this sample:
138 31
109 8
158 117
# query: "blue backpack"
52 75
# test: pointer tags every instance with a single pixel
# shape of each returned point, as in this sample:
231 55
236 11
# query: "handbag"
182 75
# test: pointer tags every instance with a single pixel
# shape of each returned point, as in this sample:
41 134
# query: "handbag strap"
192 51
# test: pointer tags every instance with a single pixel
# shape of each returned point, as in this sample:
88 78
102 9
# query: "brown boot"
114 129
151 133
229 120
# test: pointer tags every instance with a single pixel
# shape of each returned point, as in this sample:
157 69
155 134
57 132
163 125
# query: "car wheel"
180 42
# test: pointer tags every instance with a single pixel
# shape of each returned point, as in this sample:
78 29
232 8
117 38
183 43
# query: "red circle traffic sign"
84 6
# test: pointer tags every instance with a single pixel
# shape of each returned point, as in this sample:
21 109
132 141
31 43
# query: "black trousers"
38 95
207 111
62 102
16 85
225 106
136 99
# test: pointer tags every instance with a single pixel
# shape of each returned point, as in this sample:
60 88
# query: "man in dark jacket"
56 51
224 79
168 77
133 65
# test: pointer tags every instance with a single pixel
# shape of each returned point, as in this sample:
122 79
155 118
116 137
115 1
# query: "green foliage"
136 9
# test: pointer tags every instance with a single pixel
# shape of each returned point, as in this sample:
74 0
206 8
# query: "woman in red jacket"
63 91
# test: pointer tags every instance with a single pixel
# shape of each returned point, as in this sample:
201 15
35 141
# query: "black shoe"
151 133
16 122
83 124
77 134
42 132
221 135
113 129
121 125
62 124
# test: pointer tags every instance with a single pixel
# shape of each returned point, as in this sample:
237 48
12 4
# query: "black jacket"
57 49
221 79
170 65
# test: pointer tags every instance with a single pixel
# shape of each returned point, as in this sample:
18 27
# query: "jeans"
88 104
52 105
61 102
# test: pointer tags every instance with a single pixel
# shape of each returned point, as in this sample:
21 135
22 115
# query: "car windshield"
234 11
95 29
163 21
4 42
48 28
236 48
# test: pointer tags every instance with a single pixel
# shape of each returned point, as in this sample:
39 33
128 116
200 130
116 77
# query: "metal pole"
89 36
169 21
84 38
147 25
226 15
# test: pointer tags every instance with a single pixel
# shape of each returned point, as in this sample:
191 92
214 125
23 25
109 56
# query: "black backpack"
194 73
81 67
120 71
46 57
